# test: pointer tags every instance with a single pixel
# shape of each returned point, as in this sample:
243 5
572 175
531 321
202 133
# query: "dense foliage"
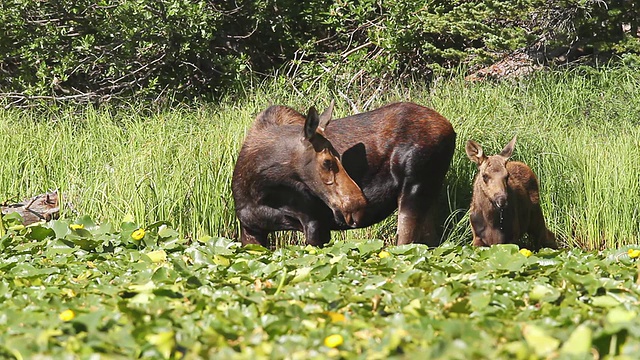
77 288
88 50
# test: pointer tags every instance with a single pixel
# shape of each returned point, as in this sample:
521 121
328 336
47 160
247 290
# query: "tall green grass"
578 130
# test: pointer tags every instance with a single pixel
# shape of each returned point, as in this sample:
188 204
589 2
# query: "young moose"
288 176
506 201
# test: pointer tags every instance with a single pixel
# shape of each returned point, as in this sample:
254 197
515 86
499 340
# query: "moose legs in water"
539 234
419 229
417 201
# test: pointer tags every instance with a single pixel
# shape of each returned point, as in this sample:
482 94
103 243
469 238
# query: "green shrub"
178 49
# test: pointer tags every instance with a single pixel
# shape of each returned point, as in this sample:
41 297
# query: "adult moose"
506 200
399 155
289 177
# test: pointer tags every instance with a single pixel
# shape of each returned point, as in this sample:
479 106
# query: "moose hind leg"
416 217
550 240
539 233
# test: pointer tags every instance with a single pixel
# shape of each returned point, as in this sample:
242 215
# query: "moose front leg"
248 236
316 233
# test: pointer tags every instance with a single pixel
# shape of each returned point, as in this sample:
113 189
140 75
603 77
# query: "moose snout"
353 210
354 218
348 218
501 201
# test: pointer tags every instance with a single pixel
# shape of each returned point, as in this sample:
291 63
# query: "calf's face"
492 171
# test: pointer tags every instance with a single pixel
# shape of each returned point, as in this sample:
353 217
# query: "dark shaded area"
354 160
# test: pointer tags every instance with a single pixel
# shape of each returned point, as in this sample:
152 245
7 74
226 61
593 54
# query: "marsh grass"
579 131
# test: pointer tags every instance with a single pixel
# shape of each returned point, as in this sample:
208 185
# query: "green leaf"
579 342
300 275
604 301
539 341
619 315
60 228
167 233
163 341
370 246
544 293
40 232
87 222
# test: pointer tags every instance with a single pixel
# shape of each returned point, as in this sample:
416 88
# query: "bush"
83 49
179 49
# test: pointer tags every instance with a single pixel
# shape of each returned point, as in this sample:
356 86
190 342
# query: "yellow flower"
333 341
76 226
67 315
137 235
526 252
633 253
335 317
383 254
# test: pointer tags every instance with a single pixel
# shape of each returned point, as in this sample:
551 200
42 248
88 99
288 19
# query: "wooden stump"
41 207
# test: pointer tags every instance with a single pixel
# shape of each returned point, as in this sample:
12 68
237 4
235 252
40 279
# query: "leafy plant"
73 288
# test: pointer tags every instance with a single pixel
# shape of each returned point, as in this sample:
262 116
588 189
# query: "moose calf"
506 201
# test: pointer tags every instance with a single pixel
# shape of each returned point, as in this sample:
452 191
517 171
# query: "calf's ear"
325 118
311 123
508 150
474 152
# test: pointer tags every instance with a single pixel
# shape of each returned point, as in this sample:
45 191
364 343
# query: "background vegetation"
144 262
169 50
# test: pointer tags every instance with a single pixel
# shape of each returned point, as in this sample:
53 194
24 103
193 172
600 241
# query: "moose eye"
485 178
327 164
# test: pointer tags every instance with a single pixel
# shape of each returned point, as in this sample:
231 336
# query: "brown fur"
399 155
289 177
506 201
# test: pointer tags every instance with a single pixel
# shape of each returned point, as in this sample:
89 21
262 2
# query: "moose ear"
325 118
508 150
474 152
311 123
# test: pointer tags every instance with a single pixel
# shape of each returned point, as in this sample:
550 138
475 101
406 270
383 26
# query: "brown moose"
288 176
506 201
399 155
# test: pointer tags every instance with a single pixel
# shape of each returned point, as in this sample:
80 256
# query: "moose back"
398 155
